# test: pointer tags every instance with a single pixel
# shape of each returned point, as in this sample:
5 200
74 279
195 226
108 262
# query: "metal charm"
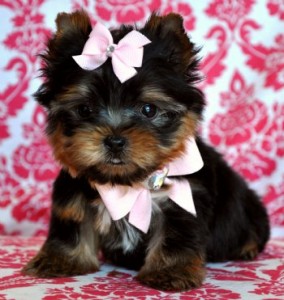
109 50
156 180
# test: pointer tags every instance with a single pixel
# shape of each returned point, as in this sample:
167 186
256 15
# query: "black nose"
115 143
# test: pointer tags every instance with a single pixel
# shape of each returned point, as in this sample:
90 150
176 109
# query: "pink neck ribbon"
137 201
126 55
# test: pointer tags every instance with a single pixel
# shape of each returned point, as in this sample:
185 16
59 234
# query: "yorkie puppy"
137 182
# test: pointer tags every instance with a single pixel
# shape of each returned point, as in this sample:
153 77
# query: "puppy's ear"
71 34
163 25
58 65
77 22
170 40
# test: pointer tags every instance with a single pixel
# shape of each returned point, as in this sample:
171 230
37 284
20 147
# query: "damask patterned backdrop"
243 68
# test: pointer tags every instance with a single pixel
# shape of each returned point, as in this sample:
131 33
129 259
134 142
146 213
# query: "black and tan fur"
85 108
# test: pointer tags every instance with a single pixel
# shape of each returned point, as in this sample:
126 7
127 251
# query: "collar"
136 200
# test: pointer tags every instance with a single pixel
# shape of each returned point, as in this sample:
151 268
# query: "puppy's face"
113 132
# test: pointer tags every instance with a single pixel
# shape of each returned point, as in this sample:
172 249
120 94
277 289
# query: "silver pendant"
156 180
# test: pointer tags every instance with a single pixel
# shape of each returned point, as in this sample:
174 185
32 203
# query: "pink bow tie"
137 201
126 55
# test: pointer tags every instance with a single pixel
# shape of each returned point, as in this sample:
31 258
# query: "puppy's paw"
173 279
249 251
46 266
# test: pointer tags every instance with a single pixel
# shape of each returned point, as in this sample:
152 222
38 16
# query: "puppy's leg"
175 259
240 228
70 248
258 229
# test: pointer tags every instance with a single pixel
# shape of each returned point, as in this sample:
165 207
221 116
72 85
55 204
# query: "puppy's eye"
84 110
149 110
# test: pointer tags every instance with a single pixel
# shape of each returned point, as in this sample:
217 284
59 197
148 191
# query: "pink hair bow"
137 200
125 55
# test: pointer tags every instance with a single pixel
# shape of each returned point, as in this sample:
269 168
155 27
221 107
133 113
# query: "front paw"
173 279
49 266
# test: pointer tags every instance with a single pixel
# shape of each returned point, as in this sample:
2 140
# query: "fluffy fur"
107 132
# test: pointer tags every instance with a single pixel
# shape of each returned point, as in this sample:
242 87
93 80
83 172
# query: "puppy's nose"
115 143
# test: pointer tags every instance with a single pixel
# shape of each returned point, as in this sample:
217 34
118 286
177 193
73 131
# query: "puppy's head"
120 132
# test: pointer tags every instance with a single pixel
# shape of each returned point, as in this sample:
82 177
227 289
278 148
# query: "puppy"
137 182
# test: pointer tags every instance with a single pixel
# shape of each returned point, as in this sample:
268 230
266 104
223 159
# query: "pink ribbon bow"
137 201
126 55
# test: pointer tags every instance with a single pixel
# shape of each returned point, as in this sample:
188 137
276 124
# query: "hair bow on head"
125 55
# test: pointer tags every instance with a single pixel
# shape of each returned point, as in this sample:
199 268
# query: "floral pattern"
231 11
261 279
240 126
125 11
276 7
243 68
268 60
